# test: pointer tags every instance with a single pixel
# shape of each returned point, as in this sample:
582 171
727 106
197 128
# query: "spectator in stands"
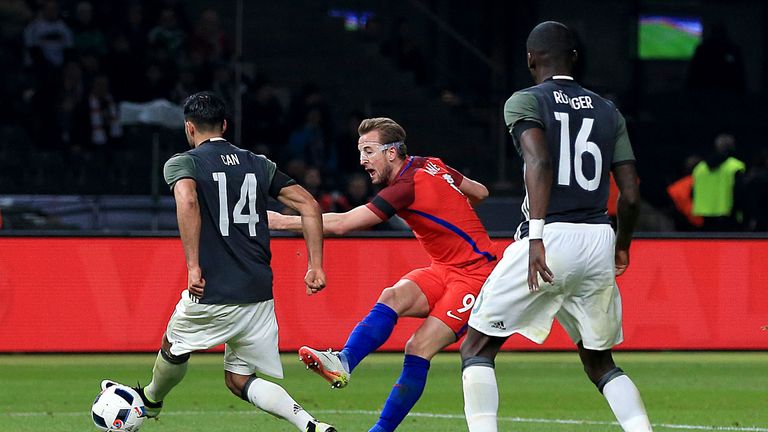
349 162
307 143
186 85
49 34
265 114
313 182
310 97
135 28
88 38
406 51
224 84
681 194
98 124
717 65
73 91
756 194
357 193
717 185
156 84
210 39
167 33
122 66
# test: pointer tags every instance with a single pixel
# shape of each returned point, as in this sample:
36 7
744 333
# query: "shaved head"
553 38
551 50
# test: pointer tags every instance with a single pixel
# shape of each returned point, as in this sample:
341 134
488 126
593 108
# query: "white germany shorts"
249 332
584 296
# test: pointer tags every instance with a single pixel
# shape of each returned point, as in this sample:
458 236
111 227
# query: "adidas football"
118 408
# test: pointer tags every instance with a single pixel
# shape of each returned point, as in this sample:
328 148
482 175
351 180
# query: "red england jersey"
426 195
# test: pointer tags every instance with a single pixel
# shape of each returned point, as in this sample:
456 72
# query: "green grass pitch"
538 391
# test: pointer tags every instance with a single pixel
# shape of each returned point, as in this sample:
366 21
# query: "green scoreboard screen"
668 38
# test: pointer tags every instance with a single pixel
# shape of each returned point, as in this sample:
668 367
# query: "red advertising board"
116 294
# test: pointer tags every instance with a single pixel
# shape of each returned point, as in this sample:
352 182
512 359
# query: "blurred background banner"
116 294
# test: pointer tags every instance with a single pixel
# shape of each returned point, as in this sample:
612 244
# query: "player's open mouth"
370 171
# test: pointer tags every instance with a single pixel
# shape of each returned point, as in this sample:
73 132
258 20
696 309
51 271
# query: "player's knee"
598 368
471 346
419 346
389 297
173 359
232 386
238 384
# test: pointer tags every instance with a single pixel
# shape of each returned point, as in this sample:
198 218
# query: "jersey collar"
212 140
405 168
561 77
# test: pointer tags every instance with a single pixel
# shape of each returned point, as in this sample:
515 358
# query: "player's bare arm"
475 191
538 182
359 218
627 211
310 223
188 216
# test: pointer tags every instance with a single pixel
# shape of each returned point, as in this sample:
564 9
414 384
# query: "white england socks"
165 376
625 401
481 397
273 399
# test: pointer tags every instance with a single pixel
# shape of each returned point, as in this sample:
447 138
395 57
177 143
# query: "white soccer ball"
118 408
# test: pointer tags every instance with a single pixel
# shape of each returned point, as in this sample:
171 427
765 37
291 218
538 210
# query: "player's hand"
622 261
314 280
537 265
195 282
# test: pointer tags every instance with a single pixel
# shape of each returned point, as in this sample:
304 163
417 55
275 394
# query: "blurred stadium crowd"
69 64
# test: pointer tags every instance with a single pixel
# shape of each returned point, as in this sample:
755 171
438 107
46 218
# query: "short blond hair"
389 131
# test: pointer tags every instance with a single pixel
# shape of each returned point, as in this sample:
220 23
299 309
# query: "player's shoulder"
425 164
523 95
178 158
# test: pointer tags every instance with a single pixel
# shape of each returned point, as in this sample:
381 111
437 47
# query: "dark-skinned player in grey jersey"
566 258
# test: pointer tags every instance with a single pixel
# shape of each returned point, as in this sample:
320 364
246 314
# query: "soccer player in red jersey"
436 202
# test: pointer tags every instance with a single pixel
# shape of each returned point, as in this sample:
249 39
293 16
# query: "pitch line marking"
417 414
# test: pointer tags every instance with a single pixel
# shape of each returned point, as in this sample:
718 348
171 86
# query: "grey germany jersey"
586 136
233 186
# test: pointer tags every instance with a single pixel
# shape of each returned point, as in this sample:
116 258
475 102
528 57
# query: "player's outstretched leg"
167 373
273 399
620 392
369 334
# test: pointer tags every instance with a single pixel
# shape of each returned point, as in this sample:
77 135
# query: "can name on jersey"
230 159
575 103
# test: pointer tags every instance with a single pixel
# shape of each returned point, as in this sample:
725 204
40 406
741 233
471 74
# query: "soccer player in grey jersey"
221 193
566 258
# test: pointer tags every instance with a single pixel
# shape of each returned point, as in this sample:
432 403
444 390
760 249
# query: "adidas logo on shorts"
498 325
